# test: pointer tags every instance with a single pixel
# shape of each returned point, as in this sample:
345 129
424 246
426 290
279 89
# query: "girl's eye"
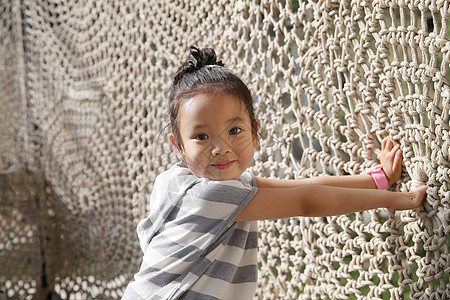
201 137
235 130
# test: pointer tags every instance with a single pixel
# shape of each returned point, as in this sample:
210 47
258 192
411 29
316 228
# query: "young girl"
200 238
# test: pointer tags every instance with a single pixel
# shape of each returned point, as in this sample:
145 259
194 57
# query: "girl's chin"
216 174
218 177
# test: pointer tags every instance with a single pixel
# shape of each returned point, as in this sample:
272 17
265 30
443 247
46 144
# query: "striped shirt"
192 248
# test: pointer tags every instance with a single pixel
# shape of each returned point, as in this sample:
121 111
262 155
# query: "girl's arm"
321 201
348 181
391 160
331 195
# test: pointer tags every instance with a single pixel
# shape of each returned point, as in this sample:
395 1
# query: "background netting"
83 97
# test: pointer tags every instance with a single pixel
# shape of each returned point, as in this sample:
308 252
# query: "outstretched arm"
322 201
347 181
331 195
390 158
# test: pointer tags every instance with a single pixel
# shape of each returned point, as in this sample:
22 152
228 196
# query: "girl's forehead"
214 104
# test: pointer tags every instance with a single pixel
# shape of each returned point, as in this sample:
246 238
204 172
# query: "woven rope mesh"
83 94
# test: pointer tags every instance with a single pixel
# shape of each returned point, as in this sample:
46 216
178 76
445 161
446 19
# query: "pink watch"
378 176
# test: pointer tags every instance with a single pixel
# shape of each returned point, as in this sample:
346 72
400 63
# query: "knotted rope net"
83 97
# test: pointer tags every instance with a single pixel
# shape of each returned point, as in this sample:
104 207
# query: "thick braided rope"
83 89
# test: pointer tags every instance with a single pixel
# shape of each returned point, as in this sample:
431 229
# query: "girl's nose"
220 147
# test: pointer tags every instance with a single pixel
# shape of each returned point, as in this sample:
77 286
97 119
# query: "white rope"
87 83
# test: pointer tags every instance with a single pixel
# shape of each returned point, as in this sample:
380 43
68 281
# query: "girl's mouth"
223 165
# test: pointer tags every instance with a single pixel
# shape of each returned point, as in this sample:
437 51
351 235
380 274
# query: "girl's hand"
411 200
391 159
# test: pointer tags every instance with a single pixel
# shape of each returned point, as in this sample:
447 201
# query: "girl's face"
216 136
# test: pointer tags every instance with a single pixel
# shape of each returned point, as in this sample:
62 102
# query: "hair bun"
197 59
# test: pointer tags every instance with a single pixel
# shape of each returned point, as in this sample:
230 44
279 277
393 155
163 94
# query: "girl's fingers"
394 150
389 155
383 143
398 160
420 195
389 144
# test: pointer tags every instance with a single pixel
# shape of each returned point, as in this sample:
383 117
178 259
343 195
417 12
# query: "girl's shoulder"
181 173
177 177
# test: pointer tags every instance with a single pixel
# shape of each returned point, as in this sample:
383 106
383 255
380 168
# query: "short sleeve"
248 179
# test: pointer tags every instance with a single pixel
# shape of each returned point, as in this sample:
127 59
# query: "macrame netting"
83 97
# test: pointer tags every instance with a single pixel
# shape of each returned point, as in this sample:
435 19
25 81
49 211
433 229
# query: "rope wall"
83 88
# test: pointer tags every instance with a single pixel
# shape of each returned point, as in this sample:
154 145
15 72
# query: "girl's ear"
176 146
255 134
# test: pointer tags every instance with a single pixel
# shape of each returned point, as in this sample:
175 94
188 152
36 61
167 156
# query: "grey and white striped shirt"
192 248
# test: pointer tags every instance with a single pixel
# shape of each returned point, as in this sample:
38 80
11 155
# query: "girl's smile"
217 141
223 165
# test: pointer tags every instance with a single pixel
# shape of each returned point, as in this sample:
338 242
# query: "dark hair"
202 73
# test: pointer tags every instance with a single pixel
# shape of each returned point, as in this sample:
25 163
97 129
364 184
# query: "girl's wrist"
378 176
